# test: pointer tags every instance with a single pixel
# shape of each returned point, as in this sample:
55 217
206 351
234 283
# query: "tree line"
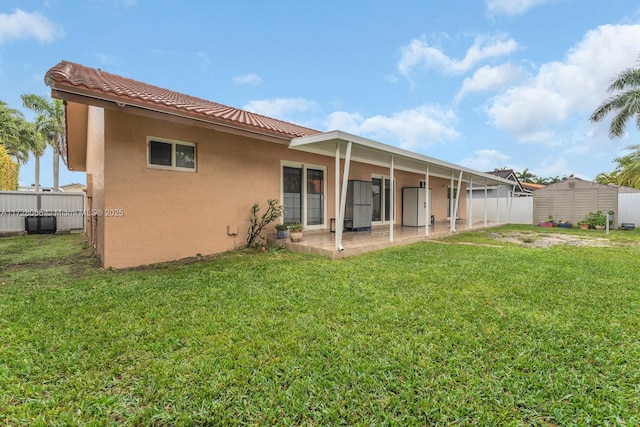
21 138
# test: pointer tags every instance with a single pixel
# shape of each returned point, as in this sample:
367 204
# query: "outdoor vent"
40 224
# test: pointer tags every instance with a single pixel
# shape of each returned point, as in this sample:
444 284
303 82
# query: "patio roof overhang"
371 152
376 153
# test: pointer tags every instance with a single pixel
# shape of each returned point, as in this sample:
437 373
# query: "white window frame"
173 143
383 198
304 167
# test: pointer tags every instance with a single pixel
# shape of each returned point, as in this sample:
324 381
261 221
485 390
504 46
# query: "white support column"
470 200
497 204
511 195
427 214
486 203
339 221
392 204
457 204
343 198
451 204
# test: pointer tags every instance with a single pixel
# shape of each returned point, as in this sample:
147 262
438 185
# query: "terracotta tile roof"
76 78
532 186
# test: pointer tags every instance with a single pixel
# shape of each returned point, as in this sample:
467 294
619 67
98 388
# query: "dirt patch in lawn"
545 240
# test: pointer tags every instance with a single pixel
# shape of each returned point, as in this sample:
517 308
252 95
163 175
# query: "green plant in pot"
597 220
282 230
295 232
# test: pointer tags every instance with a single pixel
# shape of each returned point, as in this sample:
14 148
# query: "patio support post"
511 195
427 215
498 203
457 204
392 205
451 204
486 205
470 207
343 198
339 222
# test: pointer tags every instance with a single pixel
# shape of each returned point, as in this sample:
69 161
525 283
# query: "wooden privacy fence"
15 206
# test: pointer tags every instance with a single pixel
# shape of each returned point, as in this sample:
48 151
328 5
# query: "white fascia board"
306 143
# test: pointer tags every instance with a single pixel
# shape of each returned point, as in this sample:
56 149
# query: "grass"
486 333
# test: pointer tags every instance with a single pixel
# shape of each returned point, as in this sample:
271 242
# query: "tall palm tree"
540 180
625 101
50 123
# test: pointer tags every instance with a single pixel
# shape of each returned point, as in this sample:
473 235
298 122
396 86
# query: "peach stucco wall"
154 215
174 214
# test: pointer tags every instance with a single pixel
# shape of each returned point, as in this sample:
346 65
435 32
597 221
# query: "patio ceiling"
376 153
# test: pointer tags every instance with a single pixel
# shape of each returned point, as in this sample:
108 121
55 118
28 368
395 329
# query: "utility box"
359 205
414 207
40 224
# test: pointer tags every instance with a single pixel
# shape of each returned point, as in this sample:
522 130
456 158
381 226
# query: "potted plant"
597 220
564 224
547 222
295 232
282 229
584 224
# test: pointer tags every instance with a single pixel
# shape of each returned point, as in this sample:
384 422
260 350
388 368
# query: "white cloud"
511 7
566 90
248 79
486 160
418 54
489 78
552 166
23 25
281 108
410 129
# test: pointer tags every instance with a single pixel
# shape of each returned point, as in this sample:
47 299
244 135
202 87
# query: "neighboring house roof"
85 81
531 186
511 176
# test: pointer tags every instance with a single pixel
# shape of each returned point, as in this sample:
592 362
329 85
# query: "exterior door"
381 187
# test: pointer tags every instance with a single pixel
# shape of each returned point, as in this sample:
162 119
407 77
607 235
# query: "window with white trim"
172 155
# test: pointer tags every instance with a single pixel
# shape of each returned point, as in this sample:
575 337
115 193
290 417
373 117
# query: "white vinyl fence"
15 206
629 208
521 209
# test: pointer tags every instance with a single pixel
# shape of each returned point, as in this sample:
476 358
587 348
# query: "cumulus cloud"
418 55
486 160
489 78
563 90
511 7
281 108
248 79
24 25
410 129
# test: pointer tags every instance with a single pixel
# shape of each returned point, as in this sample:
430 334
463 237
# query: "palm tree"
525 176
607 178
628 169
50 124
540 180
626 102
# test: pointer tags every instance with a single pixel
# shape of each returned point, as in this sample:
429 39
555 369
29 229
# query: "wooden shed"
573 199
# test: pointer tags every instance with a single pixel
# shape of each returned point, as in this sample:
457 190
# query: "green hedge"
8 171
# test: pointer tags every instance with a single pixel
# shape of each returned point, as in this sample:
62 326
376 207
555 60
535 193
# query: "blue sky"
482 83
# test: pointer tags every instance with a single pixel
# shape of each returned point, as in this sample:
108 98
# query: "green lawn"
489 332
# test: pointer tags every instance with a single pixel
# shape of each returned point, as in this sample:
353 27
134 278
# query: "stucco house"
171 176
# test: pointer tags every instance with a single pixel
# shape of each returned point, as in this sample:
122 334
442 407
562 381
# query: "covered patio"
346 148
323 242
